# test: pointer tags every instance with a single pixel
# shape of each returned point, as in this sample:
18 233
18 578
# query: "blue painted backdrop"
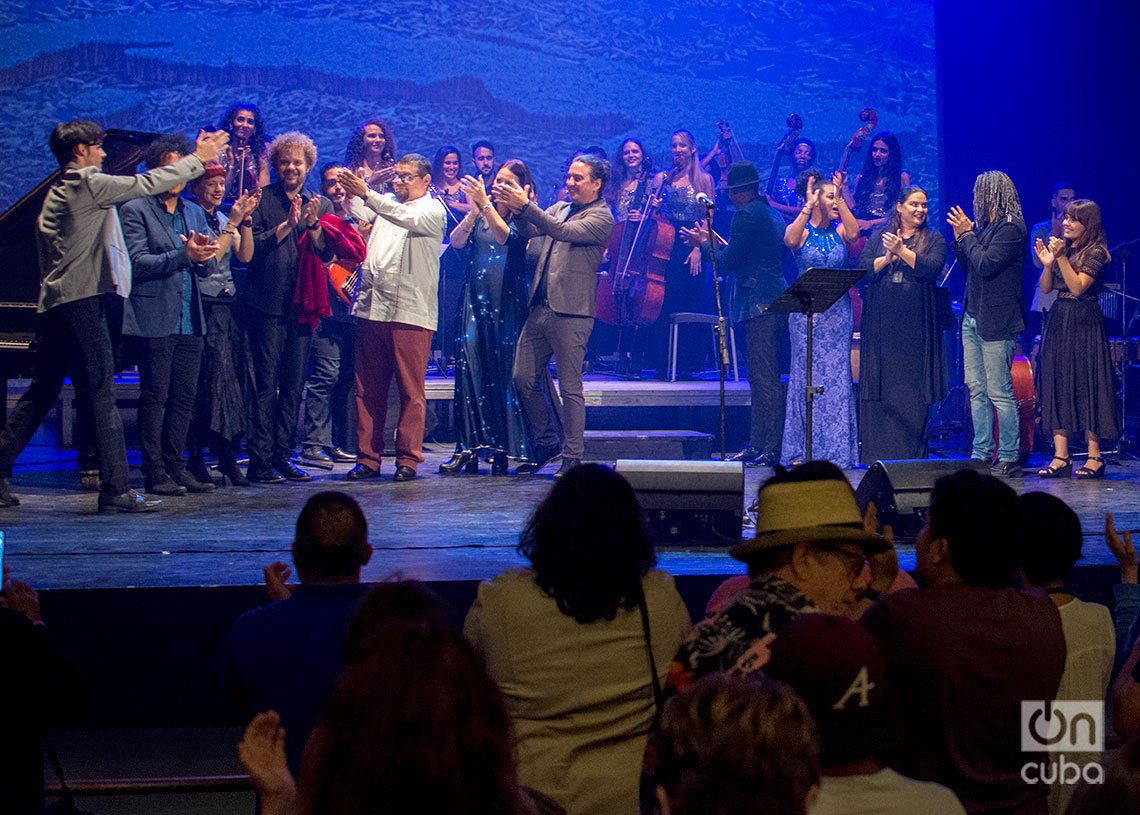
540 79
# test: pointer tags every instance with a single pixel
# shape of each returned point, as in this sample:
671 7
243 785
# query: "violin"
795 124
870 119
632 291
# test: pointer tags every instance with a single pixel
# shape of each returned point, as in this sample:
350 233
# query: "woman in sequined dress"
245 159
629 180
685 285
494 309
874 190
819 237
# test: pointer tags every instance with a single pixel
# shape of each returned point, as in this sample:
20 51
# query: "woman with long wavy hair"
246 157
1077 387
565 641
371 152
875 188
630 172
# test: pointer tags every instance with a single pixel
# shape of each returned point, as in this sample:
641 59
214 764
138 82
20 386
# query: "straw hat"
803 511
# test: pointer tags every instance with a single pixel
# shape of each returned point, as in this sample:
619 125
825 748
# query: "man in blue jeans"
993 255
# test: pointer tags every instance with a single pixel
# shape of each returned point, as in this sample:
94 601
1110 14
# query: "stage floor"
436 528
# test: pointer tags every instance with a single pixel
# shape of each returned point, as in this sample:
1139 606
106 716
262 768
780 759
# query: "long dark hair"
354 153
589 544
259 139
437 163
1091 248
891 172
894 220
619 174
417 725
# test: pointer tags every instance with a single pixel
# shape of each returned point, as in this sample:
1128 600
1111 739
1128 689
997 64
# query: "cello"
632 291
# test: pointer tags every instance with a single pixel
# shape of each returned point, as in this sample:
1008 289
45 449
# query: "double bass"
795 124
870 119
632 291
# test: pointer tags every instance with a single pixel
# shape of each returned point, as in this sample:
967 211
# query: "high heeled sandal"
499 463
1064 470
1086 473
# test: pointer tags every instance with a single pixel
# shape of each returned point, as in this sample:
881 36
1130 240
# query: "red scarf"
311 295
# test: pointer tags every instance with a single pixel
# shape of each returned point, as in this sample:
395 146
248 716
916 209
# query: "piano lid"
19 265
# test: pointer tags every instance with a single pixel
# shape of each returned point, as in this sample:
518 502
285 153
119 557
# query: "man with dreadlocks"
992 253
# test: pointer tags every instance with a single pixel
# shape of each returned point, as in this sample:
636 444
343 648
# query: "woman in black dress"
1077 381
902 356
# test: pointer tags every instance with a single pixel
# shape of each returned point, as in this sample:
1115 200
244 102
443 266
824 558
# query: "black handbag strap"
658 696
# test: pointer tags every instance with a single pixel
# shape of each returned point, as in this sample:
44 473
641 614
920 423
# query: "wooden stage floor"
436 528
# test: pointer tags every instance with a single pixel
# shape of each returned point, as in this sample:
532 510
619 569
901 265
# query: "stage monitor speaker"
689 503
901 491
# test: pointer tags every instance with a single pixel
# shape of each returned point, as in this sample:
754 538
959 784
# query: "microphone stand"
721 327
441 363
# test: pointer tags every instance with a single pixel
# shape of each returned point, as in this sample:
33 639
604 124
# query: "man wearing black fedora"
807 556
754 256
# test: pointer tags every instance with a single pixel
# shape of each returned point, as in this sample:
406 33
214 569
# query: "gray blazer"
76 250
158 260
574 246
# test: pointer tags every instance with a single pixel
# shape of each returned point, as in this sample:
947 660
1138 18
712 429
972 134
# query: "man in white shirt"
397 311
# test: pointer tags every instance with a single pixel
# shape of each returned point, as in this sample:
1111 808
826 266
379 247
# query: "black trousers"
72 338
168 386
330 404
763 355
279 348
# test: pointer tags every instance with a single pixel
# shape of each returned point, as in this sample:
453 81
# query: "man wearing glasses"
397 311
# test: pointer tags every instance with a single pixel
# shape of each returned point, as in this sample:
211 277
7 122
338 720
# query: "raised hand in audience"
210 144
262 753
1122 549
19 596
277 575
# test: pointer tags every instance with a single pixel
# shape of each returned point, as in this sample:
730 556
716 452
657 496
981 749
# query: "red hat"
838 669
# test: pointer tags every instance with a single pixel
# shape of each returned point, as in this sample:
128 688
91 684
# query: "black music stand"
814 292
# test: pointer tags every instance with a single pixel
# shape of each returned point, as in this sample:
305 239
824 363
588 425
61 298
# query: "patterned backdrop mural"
539 79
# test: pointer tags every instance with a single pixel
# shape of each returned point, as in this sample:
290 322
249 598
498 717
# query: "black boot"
463 460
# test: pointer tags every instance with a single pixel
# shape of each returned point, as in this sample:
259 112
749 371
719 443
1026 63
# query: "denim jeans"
989 377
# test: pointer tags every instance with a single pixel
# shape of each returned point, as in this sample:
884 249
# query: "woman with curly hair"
1077 380
566 641
246 158
371 152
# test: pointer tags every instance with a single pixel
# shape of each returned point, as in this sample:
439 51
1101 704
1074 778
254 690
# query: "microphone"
705 201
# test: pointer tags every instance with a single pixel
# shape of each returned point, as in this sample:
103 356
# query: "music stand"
814 292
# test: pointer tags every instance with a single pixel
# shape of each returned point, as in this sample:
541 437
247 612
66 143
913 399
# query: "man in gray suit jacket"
170 248
567 251
82 255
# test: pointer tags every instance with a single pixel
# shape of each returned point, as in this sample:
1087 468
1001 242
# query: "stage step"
610 445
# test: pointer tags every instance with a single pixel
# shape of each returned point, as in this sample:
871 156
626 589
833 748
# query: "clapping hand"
697 236
511 194
1046 257
311 212
838 179
381 177
475 192
262 753
892 243
353 184
294 213
1056 246
210 144
245 204
959 222
1123 549
277 576
199 247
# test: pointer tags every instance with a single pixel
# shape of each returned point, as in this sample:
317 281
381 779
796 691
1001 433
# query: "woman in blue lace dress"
494 308
819 237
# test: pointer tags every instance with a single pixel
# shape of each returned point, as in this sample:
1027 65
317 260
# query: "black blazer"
157 262
272 275
993 260
755 256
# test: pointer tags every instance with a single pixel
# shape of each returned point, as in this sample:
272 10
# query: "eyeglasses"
854 561
406 177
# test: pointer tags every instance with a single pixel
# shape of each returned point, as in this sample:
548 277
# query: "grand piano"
19 265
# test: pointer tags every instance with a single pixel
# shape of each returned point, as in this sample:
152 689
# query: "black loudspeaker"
901 491
689 503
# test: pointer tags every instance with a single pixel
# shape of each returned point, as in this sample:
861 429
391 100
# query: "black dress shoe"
541 459
361 472
164 485
7 499
1006 469
404 474
317 457
263 474
568 464
290 471
197 468
192 484
129 501
748 455
342 456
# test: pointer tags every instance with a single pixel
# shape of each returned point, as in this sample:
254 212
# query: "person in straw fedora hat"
807 557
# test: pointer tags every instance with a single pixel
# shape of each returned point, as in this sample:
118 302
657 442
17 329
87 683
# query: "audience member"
286 656
38 685
1127 592
415 726
807 556
737 745
1120 790
1126 696
838 669
966 650
571 640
